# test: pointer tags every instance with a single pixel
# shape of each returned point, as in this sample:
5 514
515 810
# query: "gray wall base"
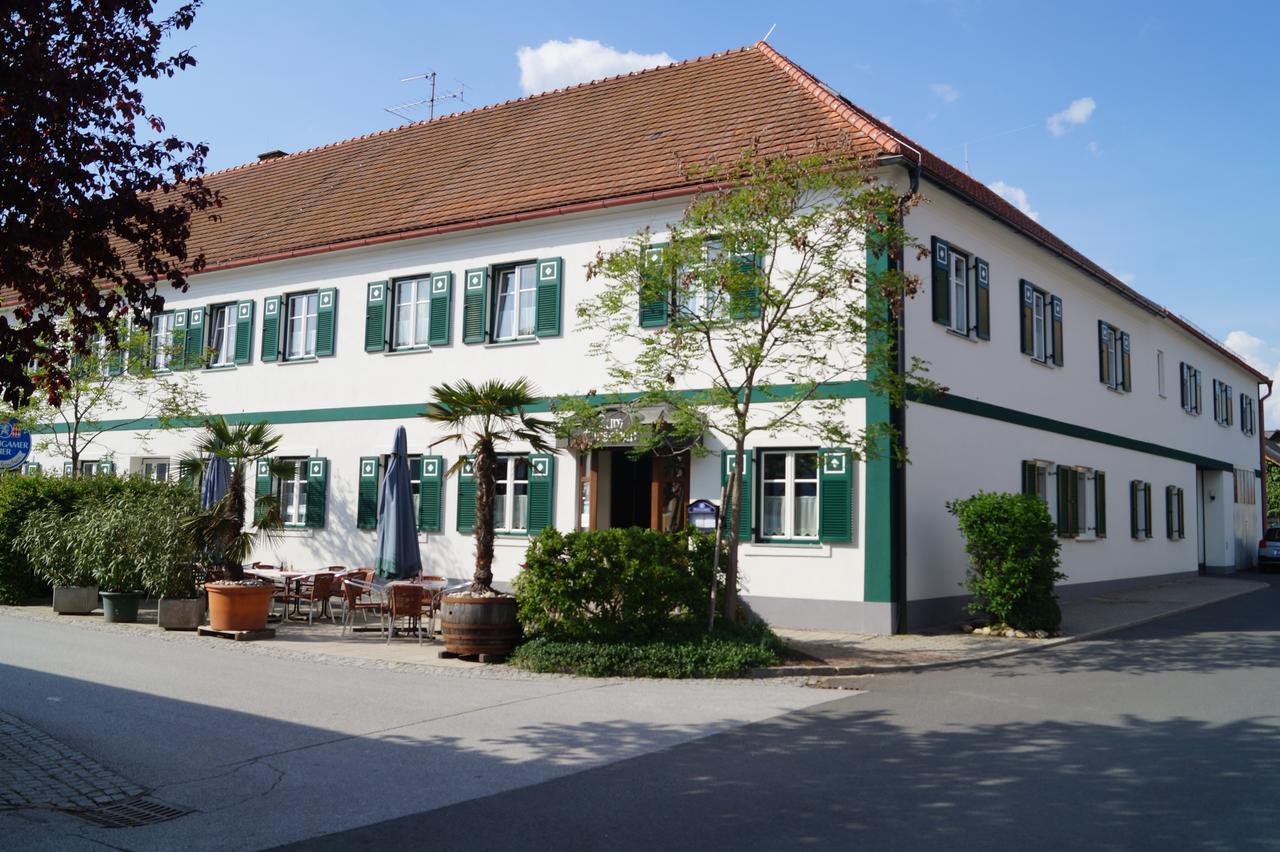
942 612
807 614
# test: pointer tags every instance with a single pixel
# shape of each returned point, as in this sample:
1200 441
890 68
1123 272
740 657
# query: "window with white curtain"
515 303
292 492
511 500
789 494
413 313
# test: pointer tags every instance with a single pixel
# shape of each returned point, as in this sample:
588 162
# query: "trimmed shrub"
614 585
1013 551
730 651
45 503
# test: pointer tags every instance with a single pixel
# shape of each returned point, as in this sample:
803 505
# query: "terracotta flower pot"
236 607
473 626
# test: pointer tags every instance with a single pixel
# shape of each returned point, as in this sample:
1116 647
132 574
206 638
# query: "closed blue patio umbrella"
398 557
216 481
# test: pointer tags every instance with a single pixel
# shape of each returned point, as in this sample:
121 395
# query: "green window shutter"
193 343
272 306
1029 478
542 492
550 297
835 494
115 361
367 494
467 497
441 308
1073 502
31 467
262 482
745 302
1126 379
1169 527
475 320
1027 313
941 281
375 316
139 351
431 495
1064 501
1133 507
317 491
1195 388
1183 384
1182 530
655 289
1217 417
745 515
982 298
326 321
177 361
1056 307
1226 404
66 468
1146 487
186 474
1100 504
1104 352
244 332
107 467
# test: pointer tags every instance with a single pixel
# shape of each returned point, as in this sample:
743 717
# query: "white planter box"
75 600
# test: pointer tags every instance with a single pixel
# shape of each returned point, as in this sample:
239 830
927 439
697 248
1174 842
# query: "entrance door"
630 490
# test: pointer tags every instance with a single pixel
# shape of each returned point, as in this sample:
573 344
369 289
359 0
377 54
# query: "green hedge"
1013 551
614 585
21 496
728 652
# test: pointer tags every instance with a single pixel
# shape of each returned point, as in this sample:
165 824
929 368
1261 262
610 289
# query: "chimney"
270 155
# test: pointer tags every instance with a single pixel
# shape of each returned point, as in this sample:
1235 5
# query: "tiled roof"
614 141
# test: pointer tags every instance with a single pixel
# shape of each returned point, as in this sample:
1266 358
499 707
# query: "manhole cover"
131 813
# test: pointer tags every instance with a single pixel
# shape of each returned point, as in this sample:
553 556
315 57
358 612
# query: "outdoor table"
288 579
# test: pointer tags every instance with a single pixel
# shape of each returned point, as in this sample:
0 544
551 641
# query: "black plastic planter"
120 607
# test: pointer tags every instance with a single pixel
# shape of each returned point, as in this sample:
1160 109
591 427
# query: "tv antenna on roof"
430 101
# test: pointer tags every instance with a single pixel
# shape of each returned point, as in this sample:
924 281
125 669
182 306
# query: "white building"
344 281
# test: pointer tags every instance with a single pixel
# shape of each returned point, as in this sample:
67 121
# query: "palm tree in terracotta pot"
224 533
482 418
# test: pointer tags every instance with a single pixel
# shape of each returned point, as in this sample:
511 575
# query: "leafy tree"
96 200
1273 491
481 417
759 301
108 391
223 532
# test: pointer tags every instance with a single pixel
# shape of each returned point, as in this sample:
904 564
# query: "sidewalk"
836 653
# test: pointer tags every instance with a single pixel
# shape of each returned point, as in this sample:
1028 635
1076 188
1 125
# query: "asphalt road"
1166 736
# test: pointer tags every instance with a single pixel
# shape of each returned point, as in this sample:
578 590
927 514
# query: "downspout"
1262 450
898 419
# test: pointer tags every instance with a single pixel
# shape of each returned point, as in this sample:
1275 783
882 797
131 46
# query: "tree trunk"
235 570
486 467
735 530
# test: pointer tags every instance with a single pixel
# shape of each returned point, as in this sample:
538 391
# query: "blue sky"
1164 171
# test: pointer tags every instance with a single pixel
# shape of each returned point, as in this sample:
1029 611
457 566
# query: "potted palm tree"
222 532
481 417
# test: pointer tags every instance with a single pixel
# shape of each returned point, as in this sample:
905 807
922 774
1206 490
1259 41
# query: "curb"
839 671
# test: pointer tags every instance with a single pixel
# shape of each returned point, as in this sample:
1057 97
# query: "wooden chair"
362 597
431 599
316 590
405 602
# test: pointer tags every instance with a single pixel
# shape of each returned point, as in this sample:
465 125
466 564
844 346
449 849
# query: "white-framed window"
222 335
412 321
156 470
1113 357
1160 373
1190 379
1039 331
515 303
89 468
415 477
789 495
1223 399
691 300
959 273
511 501
300 328
1085 503
1248 420
1140 495
292 492
161 341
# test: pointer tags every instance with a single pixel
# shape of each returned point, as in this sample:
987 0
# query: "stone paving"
37 771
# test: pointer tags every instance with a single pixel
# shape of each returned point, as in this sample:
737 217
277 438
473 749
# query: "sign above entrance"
623 426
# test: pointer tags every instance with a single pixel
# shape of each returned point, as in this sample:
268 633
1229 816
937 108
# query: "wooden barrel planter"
479 627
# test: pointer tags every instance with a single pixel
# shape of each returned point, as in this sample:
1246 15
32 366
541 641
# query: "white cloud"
946 91
555 64
1078 113
1265 358
1015 196
1094 149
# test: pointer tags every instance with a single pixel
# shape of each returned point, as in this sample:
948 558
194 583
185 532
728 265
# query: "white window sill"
285 362
296 532
408 350
972 338
511 541
1045 362
219 368
519 341
798 550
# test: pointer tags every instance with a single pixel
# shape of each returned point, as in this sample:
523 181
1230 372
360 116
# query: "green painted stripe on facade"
398 411
877 572
964 405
